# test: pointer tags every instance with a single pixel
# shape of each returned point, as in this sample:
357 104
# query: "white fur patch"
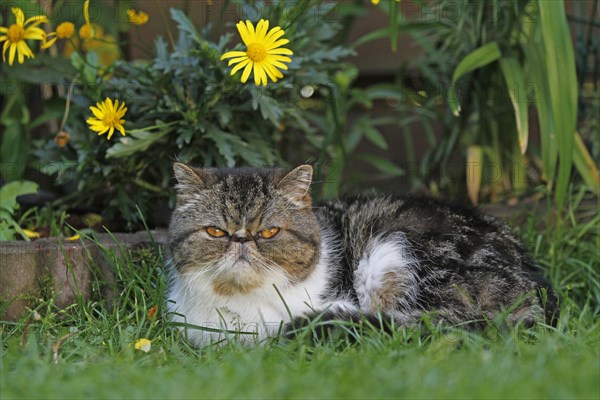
261 312
386 259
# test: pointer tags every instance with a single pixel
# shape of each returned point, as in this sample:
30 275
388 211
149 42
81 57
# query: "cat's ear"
296 185
188 179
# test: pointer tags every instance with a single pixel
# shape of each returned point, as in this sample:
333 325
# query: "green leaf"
135 142
331 54
536 63
385 91
383 165
394 25
372 134
223 146
478 58
10 192
386 32
184 24
562 83
585 165
269 108
91 67
14 149
515 82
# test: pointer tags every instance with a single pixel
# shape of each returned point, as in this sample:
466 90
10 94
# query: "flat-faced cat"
249 251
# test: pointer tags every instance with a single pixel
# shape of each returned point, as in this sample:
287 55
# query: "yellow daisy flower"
15 35
63 31
87 30
136 18
264 54
108 117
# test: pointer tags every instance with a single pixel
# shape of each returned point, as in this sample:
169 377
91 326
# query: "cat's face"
244 228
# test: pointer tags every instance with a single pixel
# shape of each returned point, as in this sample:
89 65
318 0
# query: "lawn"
87 350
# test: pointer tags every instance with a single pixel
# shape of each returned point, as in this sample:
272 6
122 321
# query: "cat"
249 254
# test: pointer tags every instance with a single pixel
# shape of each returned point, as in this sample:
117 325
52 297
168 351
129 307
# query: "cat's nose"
241 236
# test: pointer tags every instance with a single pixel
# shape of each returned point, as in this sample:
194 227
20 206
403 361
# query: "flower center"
15 33
257 52
110 119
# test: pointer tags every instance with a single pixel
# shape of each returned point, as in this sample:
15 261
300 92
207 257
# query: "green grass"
86 352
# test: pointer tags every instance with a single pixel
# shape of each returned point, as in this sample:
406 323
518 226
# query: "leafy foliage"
185 105
9 206
490 65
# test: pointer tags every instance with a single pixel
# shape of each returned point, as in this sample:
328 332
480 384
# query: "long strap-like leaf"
562 84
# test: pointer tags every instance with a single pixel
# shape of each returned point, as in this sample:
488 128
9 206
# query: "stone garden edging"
64 267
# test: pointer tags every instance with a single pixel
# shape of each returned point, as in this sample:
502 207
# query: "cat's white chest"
255 316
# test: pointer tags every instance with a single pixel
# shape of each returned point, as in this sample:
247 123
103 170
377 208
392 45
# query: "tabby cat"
248 251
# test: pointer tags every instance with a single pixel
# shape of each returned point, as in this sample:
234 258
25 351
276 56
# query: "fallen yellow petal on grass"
143 345
74 237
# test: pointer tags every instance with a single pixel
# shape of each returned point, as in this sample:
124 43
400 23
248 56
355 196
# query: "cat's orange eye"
268 233
215 232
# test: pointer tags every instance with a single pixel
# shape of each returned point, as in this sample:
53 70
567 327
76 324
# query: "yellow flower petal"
281 51
237 60
19 16
261 29
143 345
269 72
11 54
241 65
270 39
231 54
246 72
31 234
278 43
280 58
244 34
251 32
49 43
35 33
74 237
273 72
99 114
35 21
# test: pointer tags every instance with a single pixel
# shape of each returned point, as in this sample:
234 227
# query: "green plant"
185 105
9 206
490 63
